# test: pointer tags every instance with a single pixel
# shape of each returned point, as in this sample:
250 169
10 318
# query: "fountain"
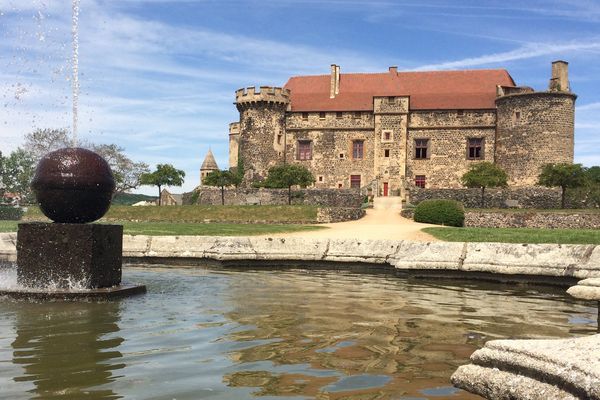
71 258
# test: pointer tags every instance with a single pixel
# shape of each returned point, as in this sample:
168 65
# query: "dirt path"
377 224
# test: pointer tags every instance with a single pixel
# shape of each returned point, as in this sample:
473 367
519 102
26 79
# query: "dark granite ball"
73 185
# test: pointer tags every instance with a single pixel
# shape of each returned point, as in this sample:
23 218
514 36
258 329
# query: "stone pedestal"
64 256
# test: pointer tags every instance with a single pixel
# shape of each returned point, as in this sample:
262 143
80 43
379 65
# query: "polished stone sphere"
73 185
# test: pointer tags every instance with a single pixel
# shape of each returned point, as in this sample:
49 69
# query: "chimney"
334 86
393 70
560 77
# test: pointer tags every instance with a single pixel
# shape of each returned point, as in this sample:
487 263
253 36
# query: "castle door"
385 189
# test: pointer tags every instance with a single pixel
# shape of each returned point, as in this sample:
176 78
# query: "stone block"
69 255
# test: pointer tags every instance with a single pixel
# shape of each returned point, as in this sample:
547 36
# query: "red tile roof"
435 90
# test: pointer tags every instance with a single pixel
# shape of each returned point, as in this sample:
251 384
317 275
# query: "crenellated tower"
260 135
535 128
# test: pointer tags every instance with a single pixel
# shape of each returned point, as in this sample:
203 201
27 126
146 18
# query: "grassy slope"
182 228
241 214
516 235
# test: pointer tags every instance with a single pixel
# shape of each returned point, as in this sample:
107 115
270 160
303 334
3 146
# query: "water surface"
288 334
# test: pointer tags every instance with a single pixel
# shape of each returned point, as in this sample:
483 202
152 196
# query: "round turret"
261 129
534 129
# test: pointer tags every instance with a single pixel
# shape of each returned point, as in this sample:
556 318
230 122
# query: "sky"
158 77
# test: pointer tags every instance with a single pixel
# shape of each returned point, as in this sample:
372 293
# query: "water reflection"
69 351
381 337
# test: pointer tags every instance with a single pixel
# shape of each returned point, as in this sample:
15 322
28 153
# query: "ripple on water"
270 334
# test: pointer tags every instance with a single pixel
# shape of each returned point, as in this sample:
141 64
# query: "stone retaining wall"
348 198
521 197
507 260
575 220
338 214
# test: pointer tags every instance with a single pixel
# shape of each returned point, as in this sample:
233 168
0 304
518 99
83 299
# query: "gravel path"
377 224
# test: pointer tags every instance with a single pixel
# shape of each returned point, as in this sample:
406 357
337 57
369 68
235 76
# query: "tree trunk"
562 197
222 195
483 197
289 195
159 197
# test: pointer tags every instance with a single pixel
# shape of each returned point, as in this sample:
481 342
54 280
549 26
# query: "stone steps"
387 203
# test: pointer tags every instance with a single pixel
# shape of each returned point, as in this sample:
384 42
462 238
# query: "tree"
564 175
221 179
126 172
42 141
165 175
17 172
593 174
483 175
288 175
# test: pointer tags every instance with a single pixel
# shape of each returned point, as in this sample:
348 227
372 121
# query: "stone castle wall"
520 197
448 134
350 198
534 129
567 220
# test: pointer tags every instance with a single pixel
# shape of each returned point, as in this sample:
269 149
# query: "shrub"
10 213
440 212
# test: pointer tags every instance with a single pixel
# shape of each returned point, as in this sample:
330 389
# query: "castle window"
341 155
358 147
320 178
391 100
321 115
304 150
355 181
460 113
339 114
279 139
304 115
475 149
340 185
420 181
386 153
357 114
421 148
387 136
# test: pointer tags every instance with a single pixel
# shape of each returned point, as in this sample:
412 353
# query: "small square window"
475 148
321 115
386 153
355 181
357 114
341 155
421 149
340 185
420 181
339 114
387 136
321 178
304 115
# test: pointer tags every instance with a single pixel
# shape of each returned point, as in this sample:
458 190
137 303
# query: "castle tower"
209 165
261 137
535 128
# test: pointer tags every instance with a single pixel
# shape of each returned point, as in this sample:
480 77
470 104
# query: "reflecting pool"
215 334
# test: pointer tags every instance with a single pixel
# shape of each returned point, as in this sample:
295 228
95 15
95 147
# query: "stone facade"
347 141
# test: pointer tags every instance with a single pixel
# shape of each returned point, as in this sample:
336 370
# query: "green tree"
221 179
593 174
288 175
42 141
564 175
17 172
484 175
164 175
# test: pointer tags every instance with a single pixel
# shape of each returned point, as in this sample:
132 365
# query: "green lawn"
182 228
242 214
516 235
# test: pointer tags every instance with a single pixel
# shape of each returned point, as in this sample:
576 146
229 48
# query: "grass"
516 235
230 214
182 228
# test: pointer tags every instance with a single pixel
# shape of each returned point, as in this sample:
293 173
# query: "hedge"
440 212
10 213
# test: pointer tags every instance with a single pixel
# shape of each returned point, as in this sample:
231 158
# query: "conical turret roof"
209 162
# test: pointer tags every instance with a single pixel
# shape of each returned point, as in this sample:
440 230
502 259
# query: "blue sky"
158 76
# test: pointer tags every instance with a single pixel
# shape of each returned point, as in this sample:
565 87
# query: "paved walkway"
377 224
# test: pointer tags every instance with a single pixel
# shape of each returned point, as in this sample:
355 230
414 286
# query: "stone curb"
549 260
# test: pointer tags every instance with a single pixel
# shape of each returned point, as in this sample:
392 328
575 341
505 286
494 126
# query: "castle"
387 131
